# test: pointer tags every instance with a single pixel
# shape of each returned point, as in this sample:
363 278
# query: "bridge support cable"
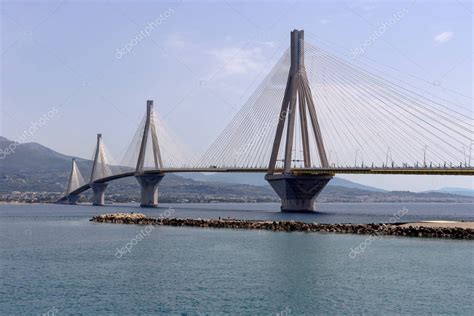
368 64
102 162
155 147
75 180
347 118
416 121
248 135
453 117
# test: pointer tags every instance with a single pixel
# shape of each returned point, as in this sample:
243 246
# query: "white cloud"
443 37
239 60
324 21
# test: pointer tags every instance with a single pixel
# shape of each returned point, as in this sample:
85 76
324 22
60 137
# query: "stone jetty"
397 229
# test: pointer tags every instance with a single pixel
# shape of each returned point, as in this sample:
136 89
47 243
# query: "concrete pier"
98 189
297 192
149 189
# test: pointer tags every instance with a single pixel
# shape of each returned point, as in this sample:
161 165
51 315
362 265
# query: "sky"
89 66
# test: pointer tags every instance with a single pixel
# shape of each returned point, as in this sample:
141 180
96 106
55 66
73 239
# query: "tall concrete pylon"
75 180
99 170
298 192
149 182
100 167
150 128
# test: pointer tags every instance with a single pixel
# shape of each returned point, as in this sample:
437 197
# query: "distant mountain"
31 157
33 167
349 184
258 179
458 191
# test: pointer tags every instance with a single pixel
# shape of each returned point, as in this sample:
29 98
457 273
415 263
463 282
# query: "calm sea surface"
54 261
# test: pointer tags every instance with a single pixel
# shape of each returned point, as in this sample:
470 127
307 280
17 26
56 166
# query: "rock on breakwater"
408 230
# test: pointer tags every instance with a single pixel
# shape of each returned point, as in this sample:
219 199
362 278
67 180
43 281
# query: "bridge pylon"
297 191
100 170
149 182
74 181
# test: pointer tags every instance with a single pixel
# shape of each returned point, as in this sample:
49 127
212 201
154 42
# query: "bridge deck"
333 171
350 170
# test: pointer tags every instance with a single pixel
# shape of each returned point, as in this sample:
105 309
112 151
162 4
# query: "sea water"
54 261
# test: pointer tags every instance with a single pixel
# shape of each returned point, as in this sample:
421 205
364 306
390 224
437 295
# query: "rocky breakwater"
412 230
119 218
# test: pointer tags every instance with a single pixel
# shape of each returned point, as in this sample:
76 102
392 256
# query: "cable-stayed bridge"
313 116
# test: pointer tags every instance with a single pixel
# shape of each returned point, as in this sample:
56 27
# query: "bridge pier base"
98 190
297 192
72 199
149 189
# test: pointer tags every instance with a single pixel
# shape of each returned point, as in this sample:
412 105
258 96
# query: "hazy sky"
200 61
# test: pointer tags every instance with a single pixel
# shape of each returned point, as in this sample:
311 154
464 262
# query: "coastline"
426 229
